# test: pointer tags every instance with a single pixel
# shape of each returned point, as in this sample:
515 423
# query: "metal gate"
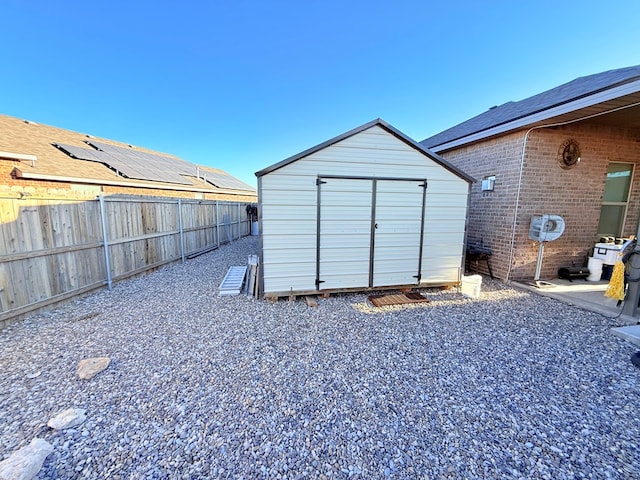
369 231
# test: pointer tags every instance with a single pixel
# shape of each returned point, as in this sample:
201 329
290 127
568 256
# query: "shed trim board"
318 213
379 266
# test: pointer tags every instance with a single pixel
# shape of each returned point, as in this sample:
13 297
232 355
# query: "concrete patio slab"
587 295
590 296
631 333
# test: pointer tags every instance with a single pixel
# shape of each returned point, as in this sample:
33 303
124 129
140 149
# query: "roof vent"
89 136
29 122
495 106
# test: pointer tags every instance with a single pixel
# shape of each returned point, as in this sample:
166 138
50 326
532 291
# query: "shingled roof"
523 113
55 154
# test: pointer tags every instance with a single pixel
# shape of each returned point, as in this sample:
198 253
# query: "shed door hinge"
318 282
319 181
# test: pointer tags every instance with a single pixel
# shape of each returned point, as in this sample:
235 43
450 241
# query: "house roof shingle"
33 139
510 111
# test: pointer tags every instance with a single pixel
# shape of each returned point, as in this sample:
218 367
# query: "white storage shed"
369 209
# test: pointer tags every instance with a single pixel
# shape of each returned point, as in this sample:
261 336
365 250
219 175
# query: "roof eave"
540 117
21 157
90 181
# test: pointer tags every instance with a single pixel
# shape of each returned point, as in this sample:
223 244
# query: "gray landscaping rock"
71 417
506 387
90 367
25 463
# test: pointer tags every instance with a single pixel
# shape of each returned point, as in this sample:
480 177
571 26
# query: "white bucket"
595 269
471 286
254 229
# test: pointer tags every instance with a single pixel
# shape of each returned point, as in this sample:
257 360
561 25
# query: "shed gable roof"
385 126
511 111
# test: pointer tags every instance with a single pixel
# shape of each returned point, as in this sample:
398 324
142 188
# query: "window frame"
624 204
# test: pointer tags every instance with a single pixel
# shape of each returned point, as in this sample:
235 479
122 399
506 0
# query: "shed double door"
369 231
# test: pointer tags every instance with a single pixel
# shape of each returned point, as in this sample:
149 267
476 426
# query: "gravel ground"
512 385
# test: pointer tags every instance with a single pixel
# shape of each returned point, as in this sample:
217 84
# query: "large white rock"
90 367
71 417
25 463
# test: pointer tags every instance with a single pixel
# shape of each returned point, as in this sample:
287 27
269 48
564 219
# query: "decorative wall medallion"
569 154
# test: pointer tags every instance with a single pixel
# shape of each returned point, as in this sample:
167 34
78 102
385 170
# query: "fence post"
181 229
239 221
107 259
217 225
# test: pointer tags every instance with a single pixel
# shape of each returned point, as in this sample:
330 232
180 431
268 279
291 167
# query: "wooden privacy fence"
54 250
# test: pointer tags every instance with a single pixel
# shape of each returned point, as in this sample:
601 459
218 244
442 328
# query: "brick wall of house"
11 187
491 213
575 194
6 167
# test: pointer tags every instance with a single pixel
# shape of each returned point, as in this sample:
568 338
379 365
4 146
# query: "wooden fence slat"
48 251
6 316
54 250
5 289
8 231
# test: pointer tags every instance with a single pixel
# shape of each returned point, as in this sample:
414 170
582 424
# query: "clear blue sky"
243 84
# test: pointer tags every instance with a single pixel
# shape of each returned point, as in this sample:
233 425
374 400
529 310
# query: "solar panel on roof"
159 162
222 180
139 165
78 152
143 165
145 170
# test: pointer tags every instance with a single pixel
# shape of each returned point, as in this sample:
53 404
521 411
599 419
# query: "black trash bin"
607 270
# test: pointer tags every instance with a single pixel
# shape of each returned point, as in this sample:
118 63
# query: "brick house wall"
6 167
11 187
575 194
490 215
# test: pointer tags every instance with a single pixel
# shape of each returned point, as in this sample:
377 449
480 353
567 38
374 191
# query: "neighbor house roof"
385 126
53 154
583 97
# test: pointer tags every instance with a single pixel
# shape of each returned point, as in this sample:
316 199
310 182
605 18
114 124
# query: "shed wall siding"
289 208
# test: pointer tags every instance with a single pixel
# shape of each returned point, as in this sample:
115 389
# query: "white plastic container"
471 286
609 253
595 269
254 229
